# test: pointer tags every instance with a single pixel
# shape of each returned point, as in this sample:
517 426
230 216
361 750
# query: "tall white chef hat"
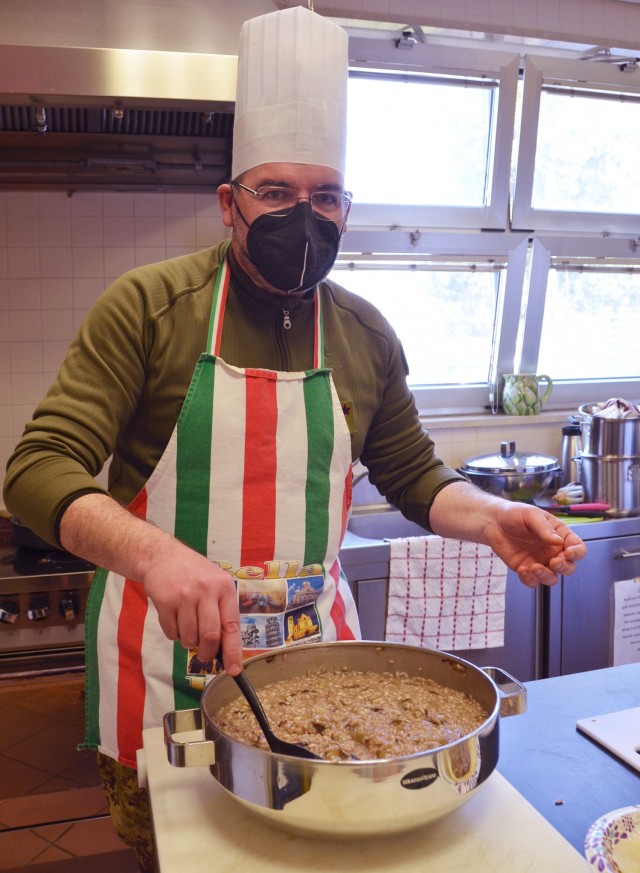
292 91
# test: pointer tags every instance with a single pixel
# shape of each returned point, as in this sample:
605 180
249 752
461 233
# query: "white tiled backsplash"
58 252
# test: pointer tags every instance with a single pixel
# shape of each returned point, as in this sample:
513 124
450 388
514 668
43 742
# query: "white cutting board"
198 827
619 732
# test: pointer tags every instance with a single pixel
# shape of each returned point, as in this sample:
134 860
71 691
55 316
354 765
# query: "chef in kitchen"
233 389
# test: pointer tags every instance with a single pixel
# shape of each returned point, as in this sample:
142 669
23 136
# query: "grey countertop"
570 779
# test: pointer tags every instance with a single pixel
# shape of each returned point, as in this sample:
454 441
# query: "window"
474 285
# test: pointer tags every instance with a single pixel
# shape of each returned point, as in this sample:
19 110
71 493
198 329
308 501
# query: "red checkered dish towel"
445 594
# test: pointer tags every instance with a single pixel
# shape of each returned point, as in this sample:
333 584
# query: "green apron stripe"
193 460
320 438
92 683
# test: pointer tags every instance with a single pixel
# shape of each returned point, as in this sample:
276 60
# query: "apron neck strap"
218 304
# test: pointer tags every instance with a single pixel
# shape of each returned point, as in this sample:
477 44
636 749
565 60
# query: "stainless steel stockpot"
349 799
613 480
616 437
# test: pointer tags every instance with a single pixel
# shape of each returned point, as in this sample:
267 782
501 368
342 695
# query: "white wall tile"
23 293
87 262
149 230
22 230
178 251
86 230
180 204
54 203
209 230
23 262
28 388
86 203
22 202
117 230
180 231
86 292
207 204
56 293
25 357
56 263
5 398
5 357
149 255
24 325
53 353
58 325
55 231
117 203
6 429
148 204
117 260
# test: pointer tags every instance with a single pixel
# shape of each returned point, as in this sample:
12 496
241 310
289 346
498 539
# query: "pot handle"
513 694
187 753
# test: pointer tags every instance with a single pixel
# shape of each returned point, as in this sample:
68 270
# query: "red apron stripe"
338 611
131 682
346 502
259 486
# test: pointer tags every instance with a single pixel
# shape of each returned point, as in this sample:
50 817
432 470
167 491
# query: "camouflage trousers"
129 809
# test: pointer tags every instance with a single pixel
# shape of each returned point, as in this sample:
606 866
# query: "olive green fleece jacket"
121 386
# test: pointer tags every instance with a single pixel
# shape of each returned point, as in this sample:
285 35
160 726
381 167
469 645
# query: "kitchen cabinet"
579 611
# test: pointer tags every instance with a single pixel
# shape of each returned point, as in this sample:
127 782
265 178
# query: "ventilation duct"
78 118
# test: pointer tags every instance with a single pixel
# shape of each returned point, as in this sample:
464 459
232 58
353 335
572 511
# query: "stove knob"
69 605
38 609
9 611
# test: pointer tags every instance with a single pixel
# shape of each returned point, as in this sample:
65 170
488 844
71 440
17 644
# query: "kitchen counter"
199 827
553 782
570 779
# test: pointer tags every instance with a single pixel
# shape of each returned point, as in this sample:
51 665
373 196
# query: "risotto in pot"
346 714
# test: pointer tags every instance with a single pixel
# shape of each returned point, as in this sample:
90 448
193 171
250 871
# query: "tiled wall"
57 253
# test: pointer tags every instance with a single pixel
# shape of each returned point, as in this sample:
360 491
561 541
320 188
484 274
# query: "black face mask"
293 252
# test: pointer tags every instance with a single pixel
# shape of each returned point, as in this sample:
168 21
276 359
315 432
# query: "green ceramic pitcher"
523 394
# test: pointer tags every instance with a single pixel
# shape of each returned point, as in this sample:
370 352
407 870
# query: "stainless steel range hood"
85 118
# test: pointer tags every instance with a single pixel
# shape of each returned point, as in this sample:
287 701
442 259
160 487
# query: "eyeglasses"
331 205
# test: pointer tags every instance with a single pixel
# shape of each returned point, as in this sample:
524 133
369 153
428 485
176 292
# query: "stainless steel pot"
608 436
511 474
613 480
346 799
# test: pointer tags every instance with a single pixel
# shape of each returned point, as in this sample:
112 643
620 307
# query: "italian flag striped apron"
257 477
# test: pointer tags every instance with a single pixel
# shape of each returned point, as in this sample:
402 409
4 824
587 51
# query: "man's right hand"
195 600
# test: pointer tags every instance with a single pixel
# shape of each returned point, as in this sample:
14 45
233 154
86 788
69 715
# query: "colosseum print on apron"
257 477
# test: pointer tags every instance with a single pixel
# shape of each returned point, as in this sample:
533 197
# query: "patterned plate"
612 844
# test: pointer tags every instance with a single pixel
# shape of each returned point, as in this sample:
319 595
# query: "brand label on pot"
421 778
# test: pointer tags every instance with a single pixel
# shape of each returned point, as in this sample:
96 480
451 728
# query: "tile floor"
53 814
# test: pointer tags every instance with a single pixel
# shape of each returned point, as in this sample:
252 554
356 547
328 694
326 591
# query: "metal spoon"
280 747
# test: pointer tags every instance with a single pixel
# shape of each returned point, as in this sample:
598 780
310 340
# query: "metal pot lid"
510 461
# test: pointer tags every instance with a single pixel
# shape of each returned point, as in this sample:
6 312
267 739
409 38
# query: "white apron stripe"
291 455
227 462
157 664
161 488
